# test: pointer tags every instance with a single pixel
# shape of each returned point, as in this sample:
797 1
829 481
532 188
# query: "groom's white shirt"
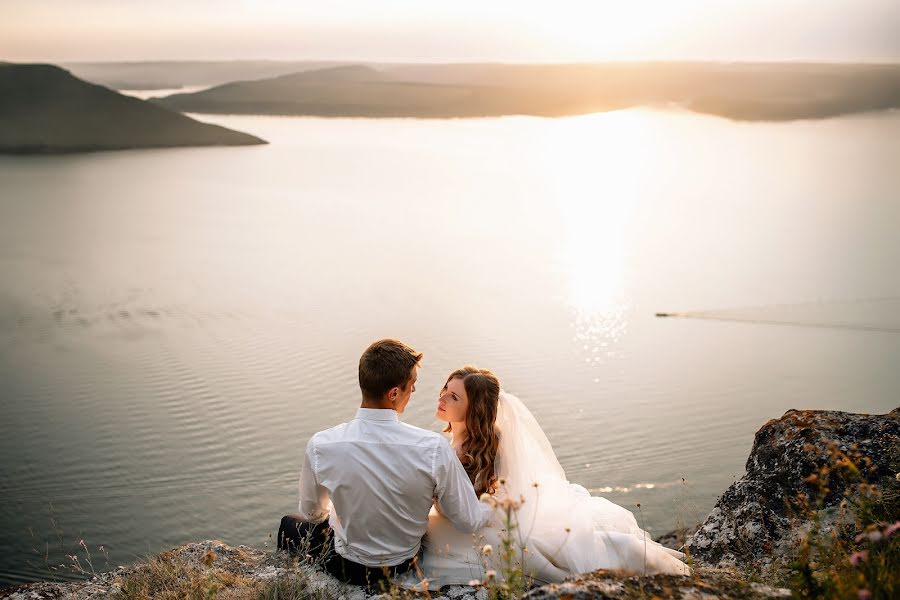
380 475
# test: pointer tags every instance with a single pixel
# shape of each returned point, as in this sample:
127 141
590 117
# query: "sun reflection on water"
595 173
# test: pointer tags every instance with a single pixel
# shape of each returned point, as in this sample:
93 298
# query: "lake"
175 324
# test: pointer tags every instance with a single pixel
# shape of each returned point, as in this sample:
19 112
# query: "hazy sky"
451 30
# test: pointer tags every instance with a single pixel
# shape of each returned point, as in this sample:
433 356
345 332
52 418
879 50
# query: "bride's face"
453 403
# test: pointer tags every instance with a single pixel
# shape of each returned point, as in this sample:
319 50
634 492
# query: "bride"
562 528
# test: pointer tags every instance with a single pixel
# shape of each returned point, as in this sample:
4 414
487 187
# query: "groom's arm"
314 501
456 498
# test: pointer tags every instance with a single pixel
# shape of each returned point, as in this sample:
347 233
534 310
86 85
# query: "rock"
457 591
254 568
712 583
795 473
677 539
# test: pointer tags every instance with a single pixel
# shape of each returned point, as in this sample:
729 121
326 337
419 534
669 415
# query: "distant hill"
741 91
44 109
175 74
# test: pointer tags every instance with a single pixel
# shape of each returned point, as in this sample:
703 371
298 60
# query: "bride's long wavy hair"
482 440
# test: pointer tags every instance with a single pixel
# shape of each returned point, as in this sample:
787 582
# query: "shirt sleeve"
314 500
455 494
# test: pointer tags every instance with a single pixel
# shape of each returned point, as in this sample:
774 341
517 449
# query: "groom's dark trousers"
317 540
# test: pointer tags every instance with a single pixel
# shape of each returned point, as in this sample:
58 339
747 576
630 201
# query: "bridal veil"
559 529
564 529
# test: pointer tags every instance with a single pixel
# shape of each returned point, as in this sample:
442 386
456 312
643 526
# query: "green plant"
506 574
853 552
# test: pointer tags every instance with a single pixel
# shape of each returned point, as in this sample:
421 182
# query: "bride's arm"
437 506
455 494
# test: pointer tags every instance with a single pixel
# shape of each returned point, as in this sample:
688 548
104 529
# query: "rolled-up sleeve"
314 501
455 494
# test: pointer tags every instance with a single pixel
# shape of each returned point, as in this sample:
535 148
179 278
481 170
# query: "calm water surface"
175 324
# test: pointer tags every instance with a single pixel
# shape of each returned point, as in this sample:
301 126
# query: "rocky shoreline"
743 549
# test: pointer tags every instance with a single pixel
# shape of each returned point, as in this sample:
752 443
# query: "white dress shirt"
380 476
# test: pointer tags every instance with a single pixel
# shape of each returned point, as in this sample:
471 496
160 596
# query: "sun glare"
594 172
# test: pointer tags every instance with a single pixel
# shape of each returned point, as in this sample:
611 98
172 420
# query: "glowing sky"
457 30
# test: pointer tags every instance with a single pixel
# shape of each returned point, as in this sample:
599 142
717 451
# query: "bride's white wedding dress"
564 529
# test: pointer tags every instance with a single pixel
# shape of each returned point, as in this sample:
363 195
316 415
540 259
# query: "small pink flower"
892 529
858 557
864 594
872 536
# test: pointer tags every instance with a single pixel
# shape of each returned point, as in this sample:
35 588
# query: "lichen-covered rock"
241 573
678 538
245 569
711 583
802 465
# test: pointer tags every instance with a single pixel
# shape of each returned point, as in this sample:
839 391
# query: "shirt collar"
377 414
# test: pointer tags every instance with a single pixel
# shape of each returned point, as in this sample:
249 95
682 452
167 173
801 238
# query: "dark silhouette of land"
740 91
175 74
44 109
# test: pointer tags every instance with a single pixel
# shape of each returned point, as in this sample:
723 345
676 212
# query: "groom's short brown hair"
384 365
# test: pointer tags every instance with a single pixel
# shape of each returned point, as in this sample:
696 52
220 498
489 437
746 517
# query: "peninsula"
45 109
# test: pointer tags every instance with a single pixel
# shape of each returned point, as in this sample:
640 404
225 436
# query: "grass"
853 552
169 577
513 578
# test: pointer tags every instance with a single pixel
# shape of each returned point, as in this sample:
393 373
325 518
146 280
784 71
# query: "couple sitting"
379 498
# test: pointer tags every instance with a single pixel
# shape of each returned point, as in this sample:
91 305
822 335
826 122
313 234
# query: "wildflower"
891 529
858 557
487 550
491 574
864 594
872 536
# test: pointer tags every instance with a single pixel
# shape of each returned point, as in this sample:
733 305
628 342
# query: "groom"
374 479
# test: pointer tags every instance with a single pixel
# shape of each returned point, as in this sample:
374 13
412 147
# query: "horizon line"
797 61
